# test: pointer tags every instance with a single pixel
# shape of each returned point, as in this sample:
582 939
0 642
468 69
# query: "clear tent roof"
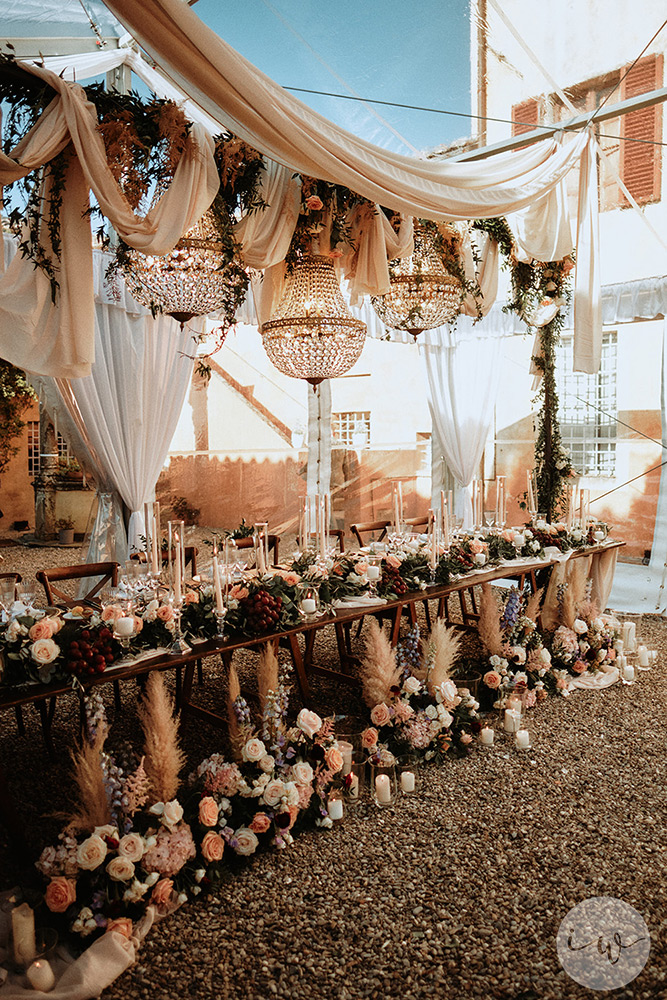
52 18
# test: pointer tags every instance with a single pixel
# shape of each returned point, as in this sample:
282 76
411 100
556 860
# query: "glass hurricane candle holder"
178 646
407 774
354 783
382 778
373 573
308 601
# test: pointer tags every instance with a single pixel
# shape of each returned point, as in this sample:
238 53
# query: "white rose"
120 869
411 685
14 630
601 655
131 847
274 792
520 677
91 853
172 814
107 831
303 773
267 763
292 793
431 711
580 626
246 841
519 654
150 614
308 722
254 750
495 660
545 655
449 690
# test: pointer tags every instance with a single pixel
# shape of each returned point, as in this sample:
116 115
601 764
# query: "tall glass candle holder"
383 784
262 546
176 558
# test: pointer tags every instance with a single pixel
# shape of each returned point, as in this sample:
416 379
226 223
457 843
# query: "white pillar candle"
396 511
598 536
518 541
335 808
40 976
23 934
486 737
308 606
522 739
346 749
642 652
400 503
407 781
373 573
628 672
124 626
480 558
632 640
512 720
383 788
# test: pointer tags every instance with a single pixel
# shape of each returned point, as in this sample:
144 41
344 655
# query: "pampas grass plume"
163 755
488 626
267 673
93 806
445 644
378 671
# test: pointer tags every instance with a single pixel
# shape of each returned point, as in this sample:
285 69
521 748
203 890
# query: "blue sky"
410 53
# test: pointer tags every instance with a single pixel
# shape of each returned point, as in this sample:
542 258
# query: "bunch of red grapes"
392 581
90 652
262 610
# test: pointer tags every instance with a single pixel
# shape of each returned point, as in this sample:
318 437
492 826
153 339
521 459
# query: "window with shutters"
630 142
352 429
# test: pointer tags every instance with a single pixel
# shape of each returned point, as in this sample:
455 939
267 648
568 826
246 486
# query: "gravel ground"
455 893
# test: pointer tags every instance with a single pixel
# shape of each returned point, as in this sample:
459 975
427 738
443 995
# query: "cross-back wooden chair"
101 574
249 541
369 528
417 522
336 533
190 560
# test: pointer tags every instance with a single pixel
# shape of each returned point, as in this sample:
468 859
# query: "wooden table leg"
299 666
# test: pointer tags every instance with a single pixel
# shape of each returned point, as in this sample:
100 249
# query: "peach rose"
165 613
60 893
208 811
334 759
254 750
111 613
291 579
120 869
580 666
476 546
393 561
492 679
274 792
131 846
91 853
369 738
314 203
361 568
246 841
43 629
162 893
138 624
44 651
238 593
121 925
380 715
192 597
260 823
308 722
212 846
303 773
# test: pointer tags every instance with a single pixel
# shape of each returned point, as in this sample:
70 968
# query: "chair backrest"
369 528
190 559
249 541
338 534
417 522
101 574
16 577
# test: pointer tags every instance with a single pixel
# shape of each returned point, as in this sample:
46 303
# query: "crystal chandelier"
423 295
312 335
190 281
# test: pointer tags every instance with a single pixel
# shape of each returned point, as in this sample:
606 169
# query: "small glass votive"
354 781
308 601
407 774
335 806
486 737
523 739
383 784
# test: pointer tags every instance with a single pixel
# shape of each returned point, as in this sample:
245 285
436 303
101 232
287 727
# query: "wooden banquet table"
302 655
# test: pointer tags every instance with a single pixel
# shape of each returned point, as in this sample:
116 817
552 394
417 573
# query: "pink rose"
492 679
580 666
334 759
380 715
369 738
44 651
314 203
131 846
60 893
238 593
393 561
403 711
253 750
212 846
165 613
260 823
208 811
476 546
291 579
302 772
42 629
274 792
308 722
121 925
246 841
162 893
466 738
192 597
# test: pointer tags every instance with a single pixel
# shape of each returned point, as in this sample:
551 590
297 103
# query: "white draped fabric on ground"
463 373
122 417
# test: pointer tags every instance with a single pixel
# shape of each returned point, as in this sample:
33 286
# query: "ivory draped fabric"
58 339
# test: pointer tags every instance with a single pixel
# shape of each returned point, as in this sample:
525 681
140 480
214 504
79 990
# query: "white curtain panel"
463 375
319 439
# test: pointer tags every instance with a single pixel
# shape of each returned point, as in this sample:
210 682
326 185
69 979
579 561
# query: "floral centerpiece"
584 639
415 705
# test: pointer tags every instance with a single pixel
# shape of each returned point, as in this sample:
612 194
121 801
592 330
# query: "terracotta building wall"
17 498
